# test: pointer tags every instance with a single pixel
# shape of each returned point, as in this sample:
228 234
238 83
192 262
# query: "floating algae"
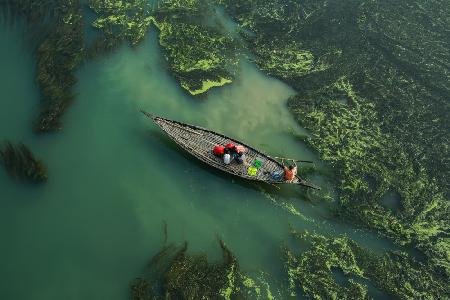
20 163
394 273
373 86
274 26
201 55
120 21
350 137
175 274
206 85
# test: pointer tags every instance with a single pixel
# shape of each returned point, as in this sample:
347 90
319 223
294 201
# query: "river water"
115 178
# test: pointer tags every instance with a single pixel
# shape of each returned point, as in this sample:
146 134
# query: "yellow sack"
252 171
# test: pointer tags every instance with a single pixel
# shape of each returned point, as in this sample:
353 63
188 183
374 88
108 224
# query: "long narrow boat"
200 142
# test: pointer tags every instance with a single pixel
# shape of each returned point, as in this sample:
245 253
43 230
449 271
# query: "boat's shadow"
277 191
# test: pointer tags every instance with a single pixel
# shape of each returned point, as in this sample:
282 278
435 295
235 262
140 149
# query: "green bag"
257 164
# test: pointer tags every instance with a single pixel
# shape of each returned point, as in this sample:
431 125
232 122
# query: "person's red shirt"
290 174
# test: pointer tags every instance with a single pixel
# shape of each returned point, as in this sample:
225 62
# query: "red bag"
229 146
219 150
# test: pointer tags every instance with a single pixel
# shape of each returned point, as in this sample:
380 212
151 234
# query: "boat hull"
199 142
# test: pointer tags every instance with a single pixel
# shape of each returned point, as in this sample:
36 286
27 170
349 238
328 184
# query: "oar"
298 160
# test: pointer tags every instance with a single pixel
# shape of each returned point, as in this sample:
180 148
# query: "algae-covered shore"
369 91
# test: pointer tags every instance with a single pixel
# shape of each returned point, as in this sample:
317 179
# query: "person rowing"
289 171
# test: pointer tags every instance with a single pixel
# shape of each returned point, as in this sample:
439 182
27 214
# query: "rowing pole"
297 160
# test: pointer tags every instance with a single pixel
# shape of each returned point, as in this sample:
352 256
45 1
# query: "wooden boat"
200 142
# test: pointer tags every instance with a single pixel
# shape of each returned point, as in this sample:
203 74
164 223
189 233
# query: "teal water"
114 178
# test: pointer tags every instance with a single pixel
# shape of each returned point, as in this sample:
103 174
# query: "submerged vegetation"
58 56
60 48
174 274
20 163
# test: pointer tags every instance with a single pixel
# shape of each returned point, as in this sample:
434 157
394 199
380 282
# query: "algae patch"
394 273
201 53
206 85
372 82
119 21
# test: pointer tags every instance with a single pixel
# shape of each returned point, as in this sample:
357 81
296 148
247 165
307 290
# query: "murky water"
114 177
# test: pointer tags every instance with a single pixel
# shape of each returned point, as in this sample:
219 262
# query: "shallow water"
114 177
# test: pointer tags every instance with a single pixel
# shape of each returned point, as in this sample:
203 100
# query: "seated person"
240 157
227 156
238 153
289 172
